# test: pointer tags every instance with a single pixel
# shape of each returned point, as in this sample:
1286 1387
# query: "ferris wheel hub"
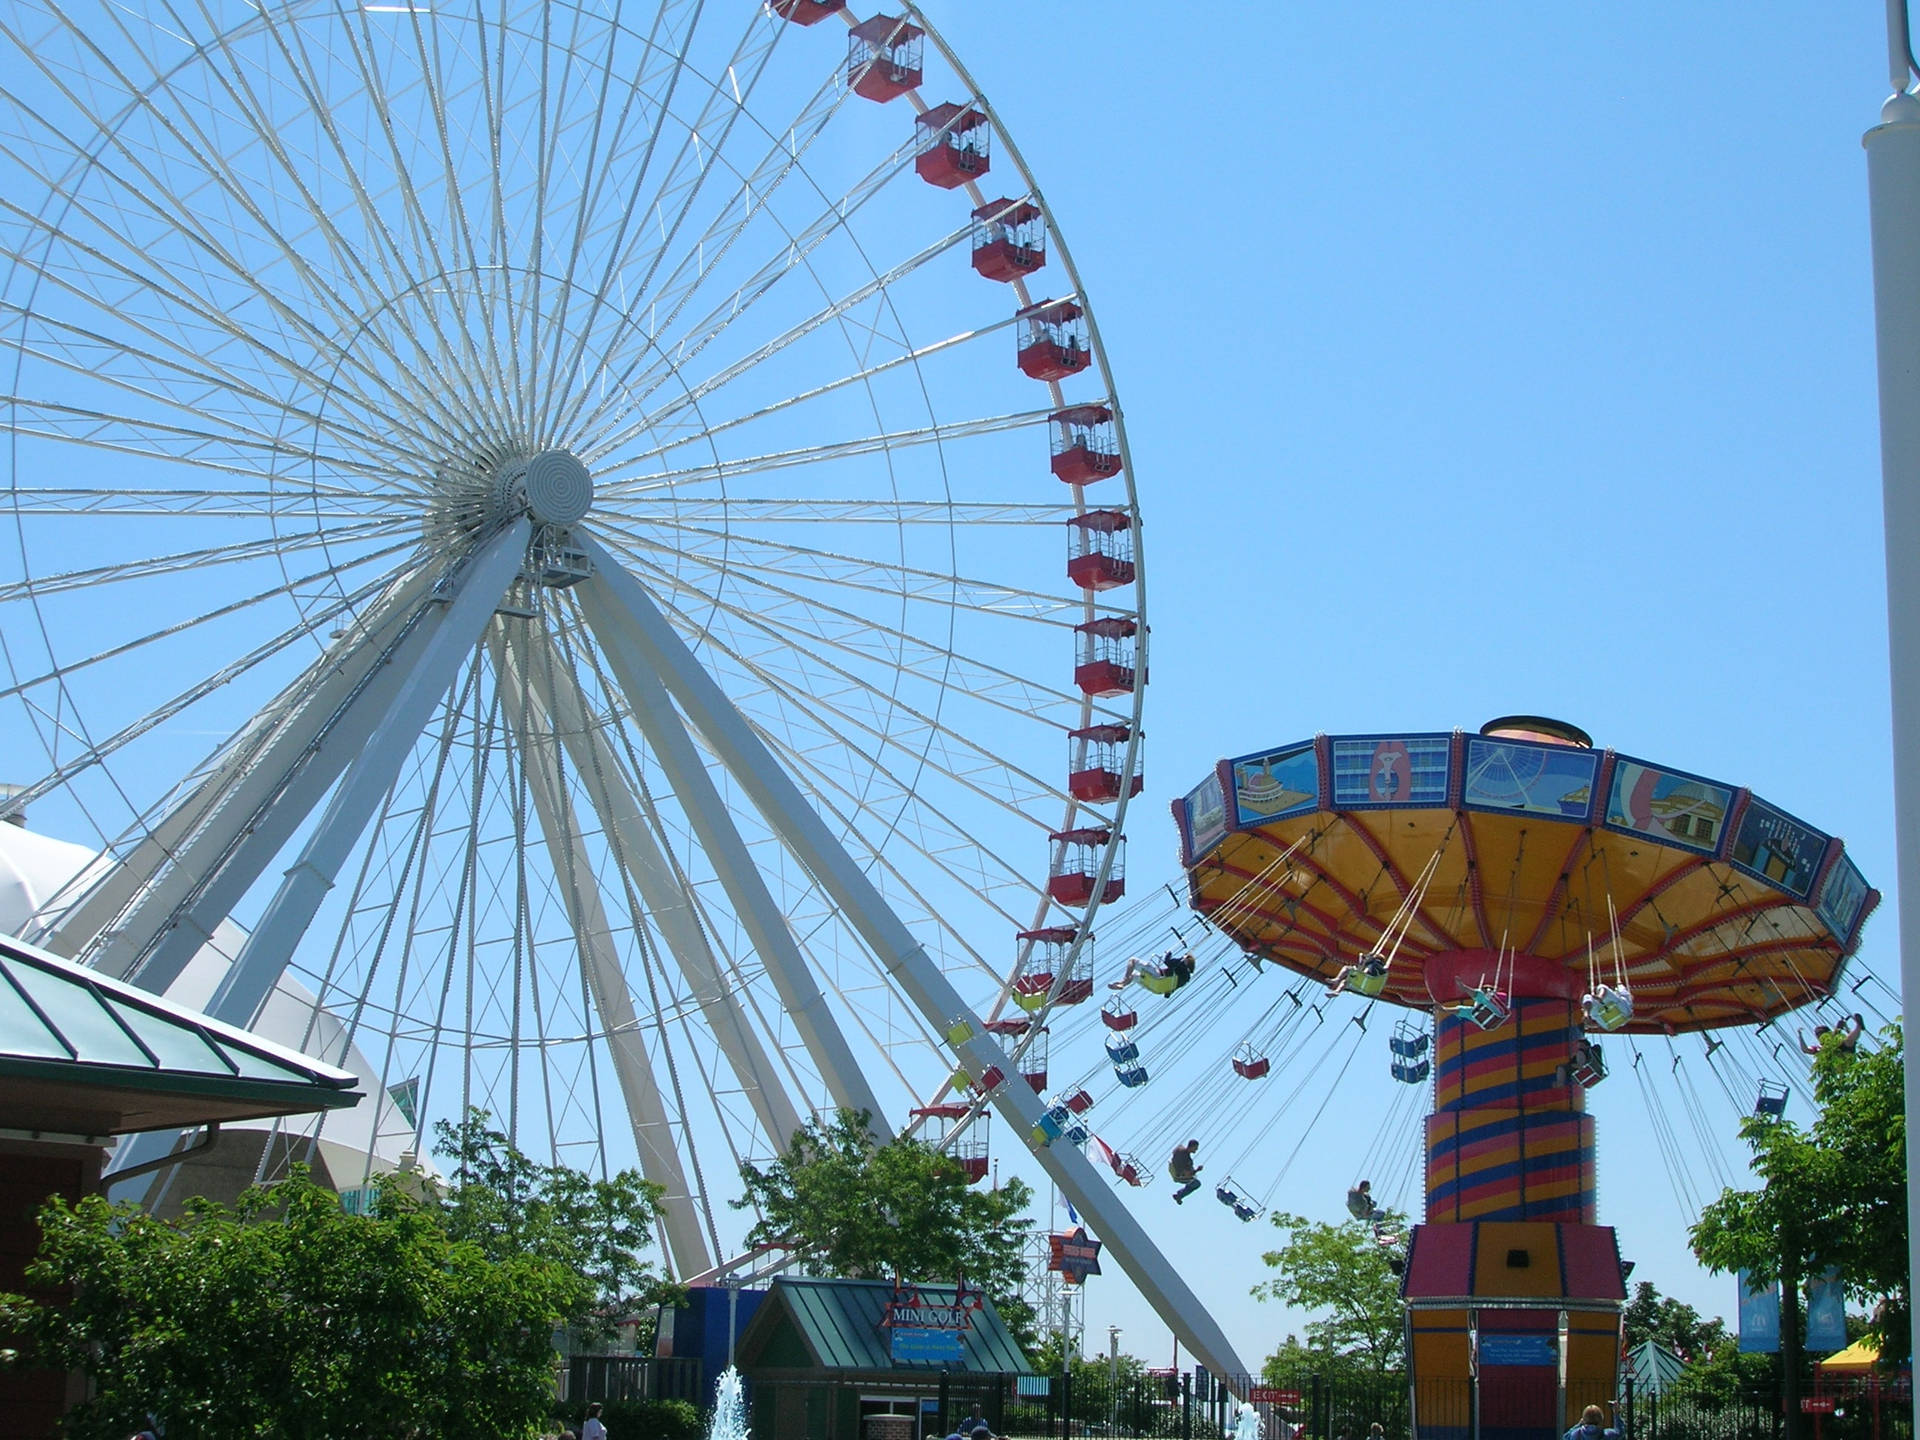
553 487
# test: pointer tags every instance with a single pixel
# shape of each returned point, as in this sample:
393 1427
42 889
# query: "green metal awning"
83 1054
838 1322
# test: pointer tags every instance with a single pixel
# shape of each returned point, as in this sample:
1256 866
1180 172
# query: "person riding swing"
1161 977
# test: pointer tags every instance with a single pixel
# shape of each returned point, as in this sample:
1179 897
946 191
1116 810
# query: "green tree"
285 1316
509 1204
1342 1273
1832 1194
1649 1315
847 1205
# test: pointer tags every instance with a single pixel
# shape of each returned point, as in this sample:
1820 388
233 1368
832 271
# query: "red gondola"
806 12
950 143
1047 952
1085 448
1104 655
1053 340
1009 239
942 1122
1079 1102
883 57
1033 1061
1076 863
1100 549
1095 757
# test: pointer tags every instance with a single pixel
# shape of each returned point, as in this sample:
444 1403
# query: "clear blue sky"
1481 358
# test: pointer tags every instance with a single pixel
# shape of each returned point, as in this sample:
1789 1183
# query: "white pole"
1893 189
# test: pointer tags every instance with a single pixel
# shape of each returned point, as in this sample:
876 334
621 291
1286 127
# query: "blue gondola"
1772 1102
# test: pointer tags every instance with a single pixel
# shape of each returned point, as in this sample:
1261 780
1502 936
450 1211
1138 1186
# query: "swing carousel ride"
1516 894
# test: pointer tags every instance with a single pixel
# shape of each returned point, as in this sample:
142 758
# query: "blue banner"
1826 1314
1759 1318
1518 1349
910 1344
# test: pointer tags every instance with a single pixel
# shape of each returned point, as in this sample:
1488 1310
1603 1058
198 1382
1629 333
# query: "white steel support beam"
458 626
532 729
759 916
641 853
192 882
780 800
1893 197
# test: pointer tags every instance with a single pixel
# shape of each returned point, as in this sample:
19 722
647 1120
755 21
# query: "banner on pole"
1826 1314
1759 1318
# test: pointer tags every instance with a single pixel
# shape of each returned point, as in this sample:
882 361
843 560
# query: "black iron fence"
1347 1406
632 1377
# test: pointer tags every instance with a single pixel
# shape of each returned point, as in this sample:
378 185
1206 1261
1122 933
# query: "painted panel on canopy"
1773 846
1668 806
1842 898
1518 775
1390 771
1276 783
1204 814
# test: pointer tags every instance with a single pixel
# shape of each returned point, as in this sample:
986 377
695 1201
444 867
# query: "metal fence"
632 1377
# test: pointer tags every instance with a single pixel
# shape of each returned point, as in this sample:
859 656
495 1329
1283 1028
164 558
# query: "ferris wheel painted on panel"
581 544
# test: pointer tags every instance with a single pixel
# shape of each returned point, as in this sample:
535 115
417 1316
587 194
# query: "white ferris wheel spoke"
324 503
645 510
630 271
694 394
618 488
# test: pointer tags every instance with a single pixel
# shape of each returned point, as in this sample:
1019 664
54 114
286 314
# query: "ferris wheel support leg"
600 961
369 775
759 915
781 802
255 970
642 856
263 803
1893 187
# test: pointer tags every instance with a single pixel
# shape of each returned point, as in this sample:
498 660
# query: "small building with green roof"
84 1059
818 1362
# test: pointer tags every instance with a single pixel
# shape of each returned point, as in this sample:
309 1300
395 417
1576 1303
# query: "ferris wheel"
584 542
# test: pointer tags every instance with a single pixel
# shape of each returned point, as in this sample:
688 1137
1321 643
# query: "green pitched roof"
1653 1367
839 1323
81 1053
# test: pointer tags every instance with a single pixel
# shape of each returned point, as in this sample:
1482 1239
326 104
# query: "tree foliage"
1341 1274
1832 1194
511 1205
286 1316
849 1206
1649 1315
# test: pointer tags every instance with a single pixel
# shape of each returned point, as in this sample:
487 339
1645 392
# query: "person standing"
593 1428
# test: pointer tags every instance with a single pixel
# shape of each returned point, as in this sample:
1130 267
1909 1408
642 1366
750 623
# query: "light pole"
1893 190
1113 1377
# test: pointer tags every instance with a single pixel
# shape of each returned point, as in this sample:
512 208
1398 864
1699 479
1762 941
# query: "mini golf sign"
925 1331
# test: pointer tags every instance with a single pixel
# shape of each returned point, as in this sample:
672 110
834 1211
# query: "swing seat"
1227 1192
1588 1072
1049 1126
1079 1102
1772 1101
1407 1043
1117 1016
1030 991
1369 977
1122 1052
1252 1069
1133 1077
1127 1167
1608 1008
1485 1008
1161 985
1411 1072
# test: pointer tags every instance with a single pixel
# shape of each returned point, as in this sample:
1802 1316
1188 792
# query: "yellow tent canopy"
1857 1358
